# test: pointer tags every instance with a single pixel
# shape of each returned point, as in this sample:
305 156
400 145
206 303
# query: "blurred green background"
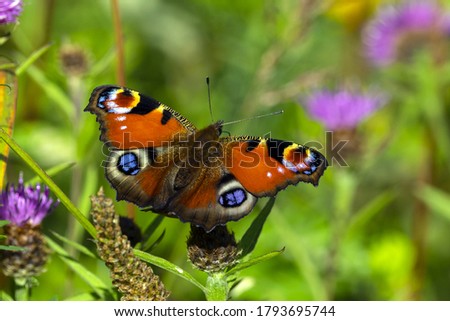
377 229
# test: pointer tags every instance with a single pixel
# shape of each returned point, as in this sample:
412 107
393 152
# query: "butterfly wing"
214 198
266 166
152 149
139 132
167 180
247 168
140 175
129 119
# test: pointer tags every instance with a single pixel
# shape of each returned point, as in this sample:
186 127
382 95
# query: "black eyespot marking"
251 145
233 198
127 92
276 148
128 164
226 179
166 116
146 104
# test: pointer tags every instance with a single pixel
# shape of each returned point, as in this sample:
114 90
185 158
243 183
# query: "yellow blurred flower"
352 13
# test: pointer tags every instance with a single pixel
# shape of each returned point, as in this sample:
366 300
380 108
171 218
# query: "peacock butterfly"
160 160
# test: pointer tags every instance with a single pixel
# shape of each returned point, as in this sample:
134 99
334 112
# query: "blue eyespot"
232 198
104 96
128 164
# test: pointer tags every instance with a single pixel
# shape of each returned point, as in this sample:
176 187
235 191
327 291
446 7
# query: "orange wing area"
140 131
265 166
131 120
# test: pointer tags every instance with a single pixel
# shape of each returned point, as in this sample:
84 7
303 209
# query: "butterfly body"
159 160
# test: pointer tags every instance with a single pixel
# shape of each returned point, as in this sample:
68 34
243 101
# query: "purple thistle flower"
25 204
342 109
384 35
10 10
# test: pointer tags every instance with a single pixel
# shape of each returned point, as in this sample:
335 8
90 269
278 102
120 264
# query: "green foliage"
249 239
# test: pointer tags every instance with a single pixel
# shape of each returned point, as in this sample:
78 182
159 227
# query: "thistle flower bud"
74 60
212 251
29 262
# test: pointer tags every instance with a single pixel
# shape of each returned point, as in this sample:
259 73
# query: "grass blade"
248 241
75 245
254 261
90 278
31 59
170 267
51 172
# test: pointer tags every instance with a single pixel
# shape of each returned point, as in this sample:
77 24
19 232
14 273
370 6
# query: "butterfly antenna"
209 99
279 112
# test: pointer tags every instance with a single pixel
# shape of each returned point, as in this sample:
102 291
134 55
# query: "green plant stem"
435 136
217 287
49 182
119 43
21 290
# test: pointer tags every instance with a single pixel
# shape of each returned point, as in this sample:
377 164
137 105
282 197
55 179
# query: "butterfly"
159 160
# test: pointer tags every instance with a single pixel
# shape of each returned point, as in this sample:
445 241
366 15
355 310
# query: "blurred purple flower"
342 109
25 204
384 35
9 10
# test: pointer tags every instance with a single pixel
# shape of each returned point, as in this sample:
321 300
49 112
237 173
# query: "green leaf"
75 245
11 248
150 246
51 172
90 278
436 199
31 59
254 261
248 241
156 222
49 182
4 222
149 231
170 267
